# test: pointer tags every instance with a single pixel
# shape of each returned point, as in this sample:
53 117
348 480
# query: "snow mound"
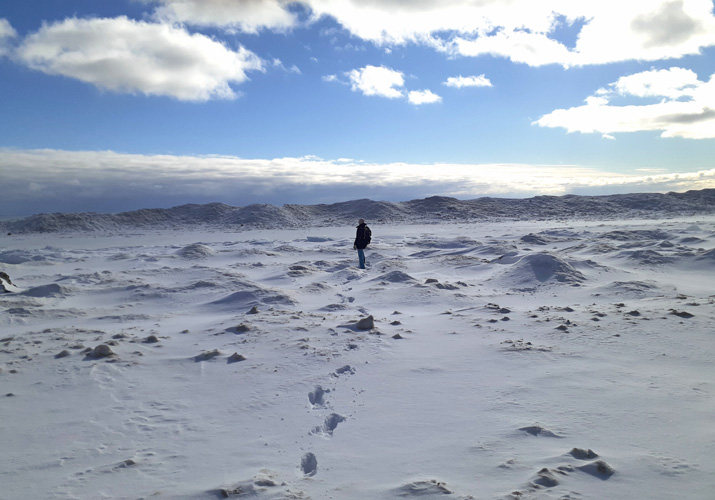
648 257
536 239
423 488
18 257
632 289
318 287
496 250
53 290
548 237
710 254
448 243
58 222
395 277
366 209
541 268
254 295
262 215
640 235
441 208
196 251
508 258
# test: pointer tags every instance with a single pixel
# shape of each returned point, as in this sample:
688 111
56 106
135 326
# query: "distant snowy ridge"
435 209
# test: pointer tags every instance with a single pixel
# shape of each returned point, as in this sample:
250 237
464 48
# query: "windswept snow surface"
511 360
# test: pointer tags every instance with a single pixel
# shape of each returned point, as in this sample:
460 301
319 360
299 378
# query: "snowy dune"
437 209
511 360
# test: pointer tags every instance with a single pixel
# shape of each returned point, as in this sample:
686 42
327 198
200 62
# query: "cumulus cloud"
54 180
608 31
534 49
468 81
526 31
385 82
7 33
377 81
418 97
248 16
671 23
6 29
685 107
523 31
124 55
673 83
164 58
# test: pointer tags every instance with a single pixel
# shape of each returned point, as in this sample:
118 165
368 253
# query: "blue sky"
117 105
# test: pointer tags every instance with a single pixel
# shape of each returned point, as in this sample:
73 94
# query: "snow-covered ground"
510 360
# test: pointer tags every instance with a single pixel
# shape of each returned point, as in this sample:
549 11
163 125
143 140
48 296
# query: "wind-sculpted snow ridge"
433 210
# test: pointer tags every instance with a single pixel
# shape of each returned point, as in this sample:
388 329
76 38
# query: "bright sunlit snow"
512 359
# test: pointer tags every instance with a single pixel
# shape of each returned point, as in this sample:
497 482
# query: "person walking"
362 240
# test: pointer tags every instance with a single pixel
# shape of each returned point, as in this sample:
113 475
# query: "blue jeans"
361 256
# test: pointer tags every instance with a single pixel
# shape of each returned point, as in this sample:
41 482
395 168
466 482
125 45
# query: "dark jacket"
362 236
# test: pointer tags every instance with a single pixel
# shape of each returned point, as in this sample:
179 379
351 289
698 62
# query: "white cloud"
686 107
385 82
377 81
7 32
6 29
468 81
248 16
653 30
525 31
418 97
278 64
93 181
123 55
673 83
534 49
